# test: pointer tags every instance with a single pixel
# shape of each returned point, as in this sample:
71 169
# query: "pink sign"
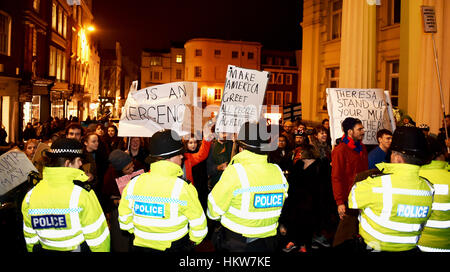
123 180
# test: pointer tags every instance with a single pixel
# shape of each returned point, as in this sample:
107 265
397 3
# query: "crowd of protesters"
312 212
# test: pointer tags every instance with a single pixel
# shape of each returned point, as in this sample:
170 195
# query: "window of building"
287 62
251 55
5 34
65 25
269 98
287 98
179 58
34 42
217 94
60 20
336 19
198 52
198 71
279 98
157 75
280 78
394 11
269 60
272 78
54 16
234 54
217 53
393 69
150 75
277 61
36 5
155 61
57 67
332 82
178 74
288 79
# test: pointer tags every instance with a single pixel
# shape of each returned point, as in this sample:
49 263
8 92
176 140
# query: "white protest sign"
372 106
154 108
242 98
14 169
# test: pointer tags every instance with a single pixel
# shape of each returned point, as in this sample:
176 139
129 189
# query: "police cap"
251 137
166 144
65 148
410 141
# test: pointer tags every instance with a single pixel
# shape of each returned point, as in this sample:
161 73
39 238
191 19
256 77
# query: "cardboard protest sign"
154 108
372 106
242 98
124 180
14 169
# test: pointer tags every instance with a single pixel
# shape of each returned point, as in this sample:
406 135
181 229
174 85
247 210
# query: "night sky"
154 24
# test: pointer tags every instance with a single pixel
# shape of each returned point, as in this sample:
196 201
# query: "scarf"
356 146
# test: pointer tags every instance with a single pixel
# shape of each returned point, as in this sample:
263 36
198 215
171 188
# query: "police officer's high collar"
249 157
63 174
435 165
166 168
399 168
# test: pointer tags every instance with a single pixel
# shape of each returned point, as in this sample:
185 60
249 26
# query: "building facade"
207 61
110 81
354 44
162 66
283 86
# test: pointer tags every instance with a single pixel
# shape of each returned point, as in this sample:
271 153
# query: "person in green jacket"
249 196
160 208
62 213
436 233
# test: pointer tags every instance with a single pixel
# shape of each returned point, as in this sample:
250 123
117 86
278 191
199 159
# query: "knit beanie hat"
119 159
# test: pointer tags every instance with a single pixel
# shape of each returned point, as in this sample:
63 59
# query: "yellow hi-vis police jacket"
436 233
249 196
394 207
158 206
61 215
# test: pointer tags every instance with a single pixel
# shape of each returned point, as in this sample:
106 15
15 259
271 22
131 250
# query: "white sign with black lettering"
14 169
242 98
372 106
154 108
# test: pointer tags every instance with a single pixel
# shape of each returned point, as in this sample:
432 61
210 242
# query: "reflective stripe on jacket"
249 196
61 215
160 208
436 233
393 207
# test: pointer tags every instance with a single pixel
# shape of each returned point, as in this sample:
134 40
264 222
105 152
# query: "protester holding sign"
121 164
348 159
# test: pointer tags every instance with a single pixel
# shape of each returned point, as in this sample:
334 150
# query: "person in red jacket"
347 159
191 159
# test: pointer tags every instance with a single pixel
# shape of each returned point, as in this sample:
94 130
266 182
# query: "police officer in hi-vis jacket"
395 203
62 213
248 198
160 208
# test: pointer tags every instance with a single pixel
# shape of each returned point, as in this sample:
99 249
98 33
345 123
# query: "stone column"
310 59
358 45
419 92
